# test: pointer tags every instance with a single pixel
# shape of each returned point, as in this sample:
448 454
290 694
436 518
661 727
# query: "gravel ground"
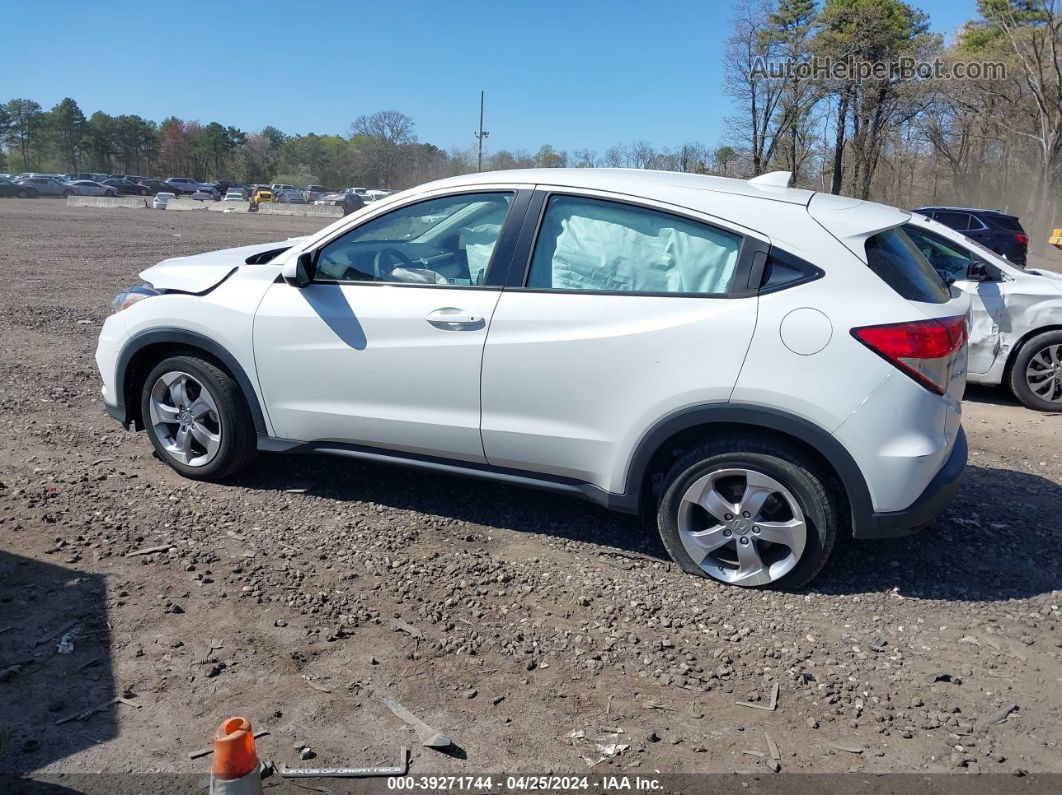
540 633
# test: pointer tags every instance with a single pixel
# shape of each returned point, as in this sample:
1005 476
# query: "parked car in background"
95 177
45 186
315 192
262 194
126 188
181 185
155 186
205 193
88 187
760 368
277 187
290 196
1015 314
235 195
998 231
10 188
377 195
162 199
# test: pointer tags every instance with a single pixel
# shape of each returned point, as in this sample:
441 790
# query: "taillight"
924 349
1022 239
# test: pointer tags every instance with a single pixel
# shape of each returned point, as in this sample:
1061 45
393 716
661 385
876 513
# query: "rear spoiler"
852 221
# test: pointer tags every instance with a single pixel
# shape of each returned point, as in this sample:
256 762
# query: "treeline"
977 123
381 150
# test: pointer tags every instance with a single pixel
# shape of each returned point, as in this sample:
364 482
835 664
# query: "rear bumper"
929 505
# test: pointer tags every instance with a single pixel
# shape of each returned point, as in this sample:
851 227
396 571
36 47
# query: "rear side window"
1008 222
959 221
605 246
899 263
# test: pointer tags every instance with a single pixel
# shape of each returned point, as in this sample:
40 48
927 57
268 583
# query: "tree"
724 157
101 140
791 23
25 128
1030 33
870 37
381 139
750 49
547 157
69 126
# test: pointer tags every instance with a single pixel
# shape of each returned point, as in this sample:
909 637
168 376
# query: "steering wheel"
381 257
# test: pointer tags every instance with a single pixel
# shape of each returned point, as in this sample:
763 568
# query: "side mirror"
300 272
977 272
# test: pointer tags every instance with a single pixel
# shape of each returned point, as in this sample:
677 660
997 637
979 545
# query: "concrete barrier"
228 207
132 202
328 211
186 204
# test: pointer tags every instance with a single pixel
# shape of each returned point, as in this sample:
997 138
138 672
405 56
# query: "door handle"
452 316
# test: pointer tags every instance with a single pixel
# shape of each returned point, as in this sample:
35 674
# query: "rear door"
615 315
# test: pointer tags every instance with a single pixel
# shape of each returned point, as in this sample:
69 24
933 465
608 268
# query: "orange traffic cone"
236 770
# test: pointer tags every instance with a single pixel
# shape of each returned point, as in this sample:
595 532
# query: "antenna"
480 135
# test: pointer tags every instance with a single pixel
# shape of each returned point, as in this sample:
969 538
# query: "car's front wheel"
197 418
22 193
111 194
1036 374
748 512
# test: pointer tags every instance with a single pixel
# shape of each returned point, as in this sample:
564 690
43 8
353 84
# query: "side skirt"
621 503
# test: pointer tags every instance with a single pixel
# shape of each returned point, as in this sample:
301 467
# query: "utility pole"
480 135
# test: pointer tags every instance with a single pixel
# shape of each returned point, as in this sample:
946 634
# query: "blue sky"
581 73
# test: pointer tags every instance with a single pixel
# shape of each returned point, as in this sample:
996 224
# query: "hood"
201 272
1049 277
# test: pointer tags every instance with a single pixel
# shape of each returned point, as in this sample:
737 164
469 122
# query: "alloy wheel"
185 418
1044 373
742 527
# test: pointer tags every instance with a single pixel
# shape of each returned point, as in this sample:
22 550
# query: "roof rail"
773 179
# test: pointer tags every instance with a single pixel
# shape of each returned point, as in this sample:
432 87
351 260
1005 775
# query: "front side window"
894 257
592 244
943 254
445 241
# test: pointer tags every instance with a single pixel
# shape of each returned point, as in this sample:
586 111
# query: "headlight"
127 298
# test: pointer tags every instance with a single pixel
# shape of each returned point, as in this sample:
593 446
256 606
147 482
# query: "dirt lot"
530 628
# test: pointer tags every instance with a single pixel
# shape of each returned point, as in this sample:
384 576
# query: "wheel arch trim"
762 418
182 338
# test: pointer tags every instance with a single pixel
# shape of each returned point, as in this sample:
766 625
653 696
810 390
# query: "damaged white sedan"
1015 314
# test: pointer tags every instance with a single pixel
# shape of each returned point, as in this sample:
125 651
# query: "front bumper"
929 505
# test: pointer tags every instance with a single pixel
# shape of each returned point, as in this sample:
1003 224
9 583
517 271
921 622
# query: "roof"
640 182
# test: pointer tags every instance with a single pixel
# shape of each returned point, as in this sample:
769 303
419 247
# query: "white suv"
758 368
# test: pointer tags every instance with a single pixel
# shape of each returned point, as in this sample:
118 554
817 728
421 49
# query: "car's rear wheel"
22 193
748 512
143 192
197 419
1036 373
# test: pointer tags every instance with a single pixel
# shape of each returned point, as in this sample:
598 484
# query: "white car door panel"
557 391
988 318
373 365
384 348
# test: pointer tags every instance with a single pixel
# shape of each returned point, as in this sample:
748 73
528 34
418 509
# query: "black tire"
111 194
1016 376
238 445
67 194
22 193
143 192
815 499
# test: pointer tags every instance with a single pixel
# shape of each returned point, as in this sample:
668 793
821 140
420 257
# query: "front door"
384 348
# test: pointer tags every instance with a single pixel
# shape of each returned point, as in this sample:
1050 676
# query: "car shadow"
974 552
992 395
55 664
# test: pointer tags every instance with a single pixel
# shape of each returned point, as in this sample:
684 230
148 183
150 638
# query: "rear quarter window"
896 260
1008 222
